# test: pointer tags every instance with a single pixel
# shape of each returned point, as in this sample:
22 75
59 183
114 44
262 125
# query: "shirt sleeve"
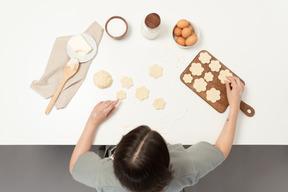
86 168
204 157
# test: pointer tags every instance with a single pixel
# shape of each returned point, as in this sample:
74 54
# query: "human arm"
234 94
100 112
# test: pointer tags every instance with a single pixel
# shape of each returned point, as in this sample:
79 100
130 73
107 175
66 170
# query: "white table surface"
249 37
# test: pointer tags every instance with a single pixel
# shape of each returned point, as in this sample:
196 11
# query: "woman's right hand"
102 111
234 92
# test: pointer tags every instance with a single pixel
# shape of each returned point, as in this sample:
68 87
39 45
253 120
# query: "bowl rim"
116 37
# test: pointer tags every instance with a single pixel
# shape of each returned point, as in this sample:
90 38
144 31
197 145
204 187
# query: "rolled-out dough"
204 57
215 65
159 103
126 82
196 69
102 79
200 85
187 78
155 71
121 95
142 93
223 74
208 76
213 95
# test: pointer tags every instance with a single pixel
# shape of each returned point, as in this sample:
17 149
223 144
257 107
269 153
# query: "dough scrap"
121 95
142 93
200 85
213 95
159 103
155 71
204 58
196 69
126 82
187 78
208 76
223 74
102 79
215 65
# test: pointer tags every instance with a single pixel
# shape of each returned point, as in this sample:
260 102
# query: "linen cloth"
53 74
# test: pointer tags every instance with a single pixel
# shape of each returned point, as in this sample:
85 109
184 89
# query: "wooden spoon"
70 69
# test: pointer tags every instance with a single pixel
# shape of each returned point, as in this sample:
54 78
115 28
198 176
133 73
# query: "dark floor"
45 169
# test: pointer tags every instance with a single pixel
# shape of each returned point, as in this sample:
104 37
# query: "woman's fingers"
111 112
232 80
107 103
111 105
228 88
243 86
100 103
238 81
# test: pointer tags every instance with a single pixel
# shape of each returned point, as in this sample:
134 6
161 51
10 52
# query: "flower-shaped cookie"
213 95
142 93
200 85
223 74
204 57
215 65
121 95
159 103
196 69
155 71
187 78
126 82
208 76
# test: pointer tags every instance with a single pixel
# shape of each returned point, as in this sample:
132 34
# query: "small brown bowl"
116 37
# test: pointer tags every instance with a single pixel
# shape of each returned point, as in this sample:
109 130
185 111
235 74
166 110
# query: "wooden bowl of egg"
185 33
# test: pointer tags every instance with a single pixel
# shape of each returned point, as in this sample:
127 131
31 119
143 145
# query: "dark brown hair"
142 161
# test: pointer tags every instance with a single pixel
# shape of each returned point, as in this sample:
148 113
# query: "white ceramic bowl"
196 31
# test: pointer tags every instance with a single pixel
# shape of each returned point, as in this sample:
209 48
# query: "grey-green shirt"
189 166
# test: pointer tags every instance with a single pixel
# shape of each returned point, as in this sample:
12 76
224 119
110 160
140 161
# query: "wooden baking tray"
221 104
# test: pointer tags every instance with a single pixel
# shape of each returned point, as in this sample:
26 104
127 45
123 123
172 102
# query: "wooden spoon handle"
247 109
55 96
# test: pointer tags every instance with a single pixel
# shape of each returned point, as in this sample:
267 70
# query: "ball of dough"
102 79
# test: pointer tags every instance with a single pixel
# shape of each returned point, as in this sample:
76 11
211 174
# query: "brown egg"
177 31
180 41
191 28
182 23
186 32
191 40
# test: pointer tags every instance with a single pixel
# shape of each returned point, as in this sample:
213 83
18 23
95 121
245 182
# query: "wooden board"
221 104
